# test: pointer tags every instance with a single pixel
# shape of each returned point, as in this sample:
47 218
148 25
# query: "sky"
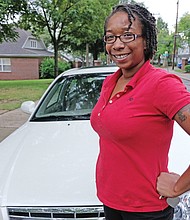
167 10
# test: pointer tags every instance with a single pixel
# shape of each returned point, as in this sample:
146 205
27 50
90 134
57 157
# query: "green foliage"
47 68
52 15
10 9
164 39
88 20
90 16
187 68
184 28
162 26
71 24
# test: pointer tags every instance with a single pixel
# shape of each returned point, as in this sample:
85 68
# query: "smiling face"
128 56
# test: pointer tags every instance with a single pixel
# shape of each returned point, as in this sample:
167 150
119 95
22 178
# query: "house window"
5 65
33 43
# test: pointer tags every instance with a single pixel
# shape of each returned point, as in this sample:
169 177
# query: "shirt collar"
111 80
137 76
140 73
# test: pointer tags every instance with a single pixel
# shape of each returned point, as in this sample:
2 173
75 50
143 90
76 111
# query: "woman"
134 119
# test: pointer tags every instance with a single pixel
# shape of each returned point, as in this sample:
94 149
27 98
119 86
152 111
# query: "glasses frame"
135 36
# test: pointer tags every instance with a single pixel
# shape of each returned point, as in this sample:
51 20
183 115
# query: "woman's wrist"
183 183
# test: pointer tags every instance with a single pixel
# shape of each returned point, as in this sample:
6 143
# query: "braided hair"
147 20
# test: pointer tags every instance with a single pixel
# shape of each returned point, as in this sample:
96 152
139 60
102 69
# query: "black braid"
148 22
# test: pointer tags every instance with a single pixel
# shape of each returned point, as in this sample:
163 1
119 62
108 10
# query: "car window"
70 98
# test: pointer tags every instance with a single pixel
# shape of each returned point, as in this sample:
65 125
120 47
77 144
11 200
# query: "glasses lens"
127 37
109 39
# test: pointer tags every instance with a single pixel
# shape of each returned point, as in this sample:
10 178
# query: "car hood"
53 164
49 163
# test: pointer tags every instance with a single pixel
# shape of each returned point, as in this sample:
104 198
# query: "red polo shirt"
135 129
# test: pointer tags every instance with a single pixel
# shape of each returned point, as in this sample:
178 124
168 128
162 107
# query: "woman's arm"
183 118
183 183
171 184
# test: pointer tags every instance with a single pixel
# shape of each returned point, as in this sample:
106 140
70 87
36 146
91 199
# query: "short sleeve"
170 95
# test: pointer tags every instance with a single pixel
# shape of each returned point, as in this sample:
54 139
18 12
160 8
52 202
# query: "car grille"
56 213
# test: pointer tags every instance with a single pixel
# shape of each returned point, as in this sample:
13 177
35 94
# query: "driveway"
10 121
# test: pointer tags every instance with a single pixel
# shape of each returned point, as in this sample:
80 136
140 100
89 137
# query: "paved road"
11 120
187 83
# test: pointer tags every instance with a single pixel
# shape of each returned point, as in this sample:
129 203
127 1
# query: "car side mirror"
28 107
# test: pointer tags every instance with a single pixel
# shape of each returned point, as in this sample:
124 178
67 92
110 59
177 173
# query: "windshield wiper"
52 118
85 116
62 117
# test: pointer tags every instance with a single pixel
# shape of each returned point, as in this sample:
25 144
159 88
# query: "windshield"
70 98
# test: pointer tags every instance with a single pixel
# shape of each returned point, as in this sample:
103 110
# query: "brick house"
21 59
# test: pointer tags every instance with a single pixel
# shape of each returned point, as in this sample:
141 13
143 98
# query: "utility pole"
175 36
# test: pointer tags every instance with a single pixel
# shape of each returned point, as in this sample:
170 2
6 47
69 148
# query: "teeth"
121 56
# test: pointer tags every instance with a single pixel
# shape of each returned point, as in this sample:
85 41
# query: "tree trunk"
95 53
87 54
56 60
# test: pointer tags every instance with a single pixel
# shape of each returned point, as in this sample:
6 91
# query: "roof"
91 70
21 47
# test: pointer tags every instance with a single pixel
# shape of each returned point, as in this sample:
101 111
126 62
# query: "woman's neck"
129 73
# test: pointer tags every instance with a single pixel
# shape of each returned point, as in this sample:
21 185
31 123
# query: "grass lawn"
14 92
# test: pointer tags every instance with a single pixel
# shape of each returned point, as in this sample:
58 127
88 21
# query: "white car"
47 166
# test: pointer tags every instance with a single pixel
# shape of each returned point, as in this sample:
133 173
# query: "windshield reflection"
70 98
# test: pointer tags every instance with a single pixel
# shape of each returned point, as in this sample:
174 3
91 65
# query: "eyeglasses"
125 38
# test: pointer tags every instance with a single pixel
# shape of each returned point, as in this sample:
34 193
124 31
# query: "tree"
165 40
89 37
68 22
10 9
55 16
184 28
71 24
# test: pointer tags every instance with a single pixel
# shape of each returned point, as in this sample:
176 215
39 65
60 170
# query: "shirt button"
110 101
118 95
99 114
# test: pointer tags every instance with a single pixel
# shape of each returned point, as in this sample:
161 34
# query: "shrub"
187 68
47 68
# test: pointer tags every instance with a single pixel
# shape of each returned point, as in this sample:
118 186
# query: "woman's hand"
166 184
